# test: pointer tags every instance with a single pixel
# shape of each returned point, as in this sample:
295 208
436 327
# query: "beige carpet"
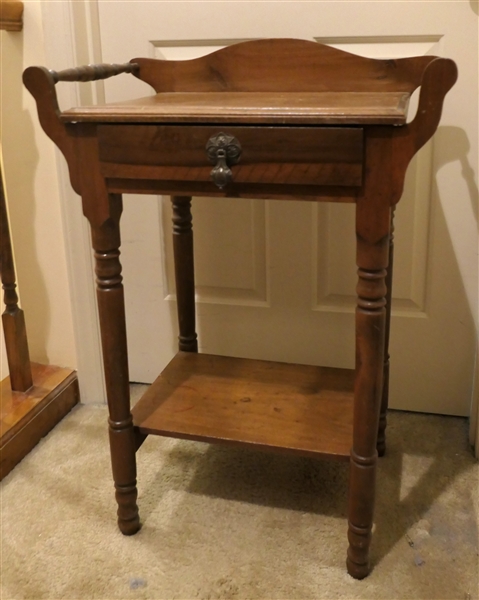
220 523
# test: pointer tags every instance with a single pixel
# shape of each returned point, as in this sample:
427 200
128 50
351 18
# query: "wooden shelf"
268 405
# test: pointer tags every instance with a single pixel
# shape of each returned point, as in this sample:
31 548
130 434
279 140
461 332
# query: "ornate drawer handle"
223 150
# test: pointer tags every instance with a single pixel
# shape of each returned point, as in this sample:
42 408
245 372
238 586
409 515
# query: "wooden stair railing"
13 317
35 397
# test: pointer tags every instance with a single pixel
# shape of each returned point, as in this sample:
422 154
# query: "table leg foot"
123 458
357 571
128 517
360 523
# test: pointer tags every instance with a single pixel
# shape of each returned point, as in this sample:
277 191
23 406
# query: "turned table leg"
381 444
184 272
111 306
372 260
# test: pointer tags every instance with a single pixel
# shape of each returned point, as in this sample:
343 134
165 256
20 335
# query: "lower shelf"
277 406
269 405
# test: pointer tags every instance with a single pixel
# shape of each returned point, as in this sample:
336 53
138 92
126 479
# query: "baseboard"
25 418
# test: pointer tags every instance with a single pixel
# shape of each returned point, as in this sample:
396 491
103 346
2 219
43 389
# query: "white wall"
34 202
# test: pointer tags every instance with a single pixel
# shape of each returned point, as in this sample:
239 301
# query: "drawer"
326 156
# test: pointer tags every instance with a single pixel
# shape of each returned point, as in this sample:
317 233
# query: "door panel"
276 280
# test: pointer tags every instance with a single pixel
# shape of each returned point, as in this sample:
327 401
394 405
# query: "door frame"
79 46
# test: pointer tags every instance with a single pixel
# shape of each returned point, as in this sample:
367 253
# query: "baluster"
381 445
184 272
13 318
111 306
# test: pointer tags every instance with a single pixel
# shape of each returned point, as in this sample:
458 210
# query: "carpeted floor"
225 524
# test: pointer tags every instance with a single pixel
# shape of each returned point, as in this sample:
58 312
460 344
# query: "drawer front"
327 156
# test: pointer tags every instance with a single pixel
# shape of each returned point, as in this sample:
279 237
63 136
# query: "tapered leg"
111 306
381 445
372 260
184 272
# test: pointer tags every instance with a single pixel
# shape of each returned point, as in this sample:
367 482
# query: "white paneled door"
276 280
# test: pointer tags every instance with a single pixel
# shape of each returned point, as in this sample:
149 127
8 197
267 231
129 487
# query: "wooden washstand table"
275 118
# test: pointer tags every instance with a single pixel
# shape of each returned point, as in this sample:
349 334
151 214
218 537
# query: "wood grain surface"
27 417
11 15
269 405
289 108
283 65
15 406
269 155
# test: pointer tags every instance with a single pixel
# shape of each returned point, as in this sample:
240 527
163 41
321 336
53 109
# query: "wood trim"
11 15
27 417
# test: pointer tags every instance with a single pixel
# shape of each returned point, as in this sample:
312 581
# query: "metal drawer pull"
223 150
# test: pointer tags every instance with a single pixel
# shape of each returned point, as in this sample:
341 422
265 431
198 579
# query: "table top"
268 108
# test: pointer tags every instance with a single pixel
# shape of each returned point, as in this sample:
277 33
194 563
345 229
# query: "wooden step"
26 417
269 405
